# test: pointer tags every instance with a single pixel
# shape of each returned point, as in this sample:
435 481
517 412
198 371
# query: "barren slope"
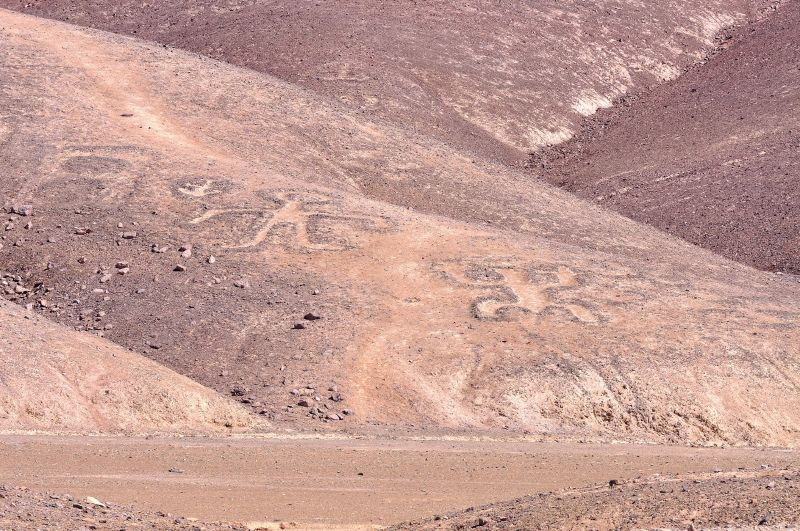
711 157
57 380
501 78
466 298
740 500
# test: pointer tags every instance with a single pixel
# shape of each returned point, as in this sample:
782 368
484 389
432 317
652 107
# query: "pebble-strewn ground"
730 500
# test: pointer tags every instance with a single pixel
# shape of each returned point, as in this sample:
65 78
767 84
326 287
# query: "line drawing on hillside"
301 221
508 289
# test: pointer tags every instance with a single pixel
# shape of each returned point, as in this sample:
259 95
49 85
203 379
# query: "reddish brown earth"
335 270
712 157
560 319
54 379
327 484
745 499
497 78
21 508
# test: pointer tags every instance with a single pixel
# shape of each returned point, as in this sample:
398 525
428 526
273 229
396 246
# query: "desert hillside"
711 157
53 379
374 278
497 78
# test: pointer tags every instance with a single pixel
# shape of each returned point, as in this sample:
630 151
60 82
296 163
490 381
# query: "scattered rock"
311 317
299 326
179 267
128 235
22 210
242 283
95 501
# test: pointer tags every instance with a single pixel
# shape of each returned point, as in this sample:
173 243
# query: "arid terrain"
710 157
248 293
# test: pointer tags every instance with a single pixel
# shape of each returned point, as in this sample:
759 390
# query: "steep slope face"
54 379
711 157
499 78
361 272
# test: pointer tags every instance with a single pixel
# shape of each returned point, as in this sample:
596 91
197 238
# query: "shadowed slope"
713 157
500 78
57 380
324 303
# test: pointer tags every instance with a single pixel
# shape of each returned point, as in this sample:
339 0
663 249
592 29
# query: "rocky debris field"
22 508
86 270
711 157
740 500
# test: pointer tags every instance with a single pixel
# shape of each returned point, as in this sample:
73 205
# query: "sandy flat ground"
319 482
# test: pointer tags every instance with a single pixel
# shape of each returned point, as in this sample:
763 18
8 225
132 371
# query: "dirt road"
336 482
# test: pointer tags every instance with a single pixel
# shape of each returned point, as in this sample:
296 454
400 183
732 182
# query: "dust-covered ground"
745 499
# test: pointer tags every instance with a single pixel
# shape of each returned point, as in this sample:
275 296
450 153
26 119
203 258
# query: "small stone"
22 210
299 326
211 259
180 268
128 235
105 278
80 231
95 501
176 470
311 317
9 226
121 265
242 283
304 402
333 416
154 345
28 226
140 291
124 271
